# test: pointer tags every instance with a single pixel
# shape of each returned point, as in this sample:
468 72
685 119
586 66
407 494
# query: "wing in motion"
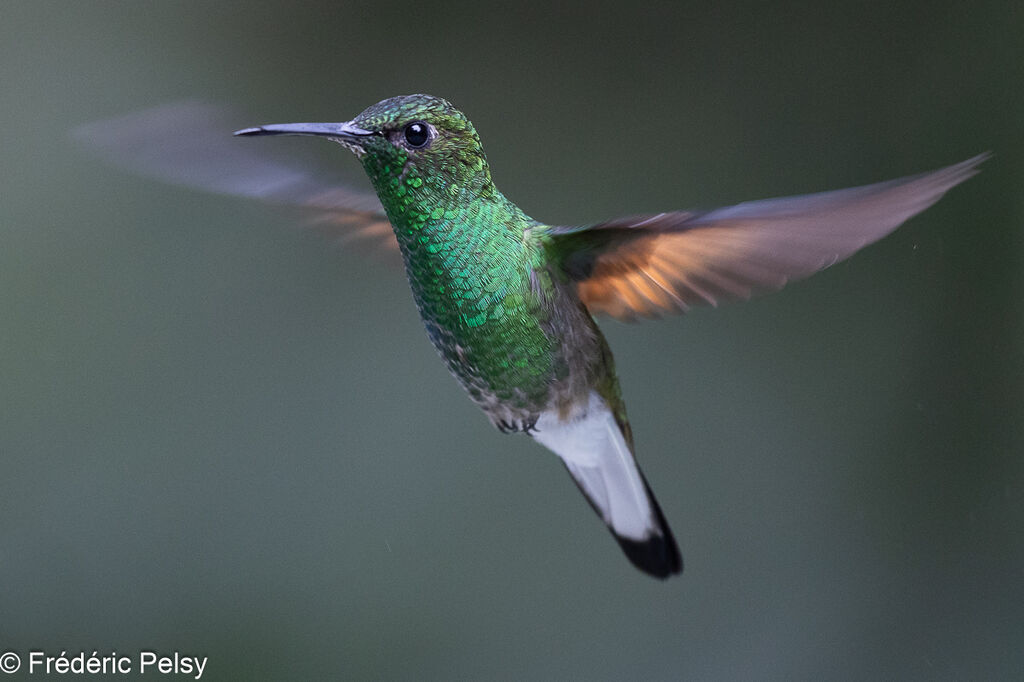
190 143
645 266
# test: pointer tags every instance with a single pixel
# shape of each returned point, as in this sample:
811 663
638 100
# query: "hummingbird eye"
417 134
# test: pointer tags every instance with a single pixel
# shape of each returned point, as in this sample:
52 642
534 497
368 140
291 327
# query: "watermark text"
96 663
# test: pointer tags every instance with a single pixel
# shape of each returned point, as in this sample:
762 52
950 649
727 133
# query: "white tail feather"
595 452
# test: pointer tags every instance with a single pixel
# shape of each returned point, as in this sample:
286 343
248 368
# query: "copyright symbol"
9 662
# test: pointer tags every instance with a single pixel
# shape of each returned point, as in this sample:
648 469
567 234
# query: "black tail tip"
657 556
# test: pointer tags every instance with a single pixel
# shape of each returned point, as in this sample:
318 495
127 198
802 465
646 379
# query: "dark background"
223 437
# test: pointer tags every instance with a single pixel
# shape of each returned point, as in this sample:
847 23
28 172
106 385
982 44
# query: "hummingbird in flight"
509 302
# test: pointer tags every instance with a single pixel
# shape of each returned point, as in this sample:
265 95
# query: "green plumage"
476 263
507 301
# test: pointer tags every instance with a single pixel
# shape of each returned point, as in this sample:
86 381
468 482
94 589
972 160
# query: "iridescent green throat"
469 258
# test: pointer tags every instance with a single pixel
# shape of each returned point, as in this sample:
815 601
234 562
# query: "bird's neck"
466 247
446 210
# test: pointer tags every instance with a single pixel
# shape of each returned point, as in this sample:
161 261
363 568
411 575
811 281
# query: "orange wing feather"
646 266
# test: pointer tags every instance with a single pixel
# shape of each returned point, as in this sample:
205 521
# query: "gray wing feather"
649 265
190 143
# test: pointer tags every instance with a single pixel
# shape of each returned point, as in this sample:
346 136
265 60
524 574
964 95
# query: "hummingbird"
509 301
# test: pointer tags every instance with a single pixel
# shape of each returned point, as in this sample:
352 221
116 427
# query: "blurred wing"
668 262
190 143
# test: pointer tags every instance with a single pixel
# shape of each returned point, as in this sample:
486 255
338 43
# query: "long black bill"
342 131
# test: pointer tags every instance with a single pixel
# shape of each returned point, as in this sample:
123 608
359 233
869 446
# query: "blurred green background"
224 437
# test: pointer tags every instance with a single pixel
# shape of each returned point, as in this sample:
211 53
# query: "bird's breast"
475 288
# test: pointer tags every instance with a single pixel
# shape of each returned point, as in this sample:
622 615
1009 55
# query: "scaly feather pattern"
477 278
508 301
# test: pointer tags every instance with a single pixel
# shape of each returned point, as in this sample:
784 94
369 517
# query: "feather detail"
669 262
596 452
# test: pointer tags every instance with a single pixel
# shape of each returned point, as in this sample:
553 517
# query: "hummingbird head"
408 145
